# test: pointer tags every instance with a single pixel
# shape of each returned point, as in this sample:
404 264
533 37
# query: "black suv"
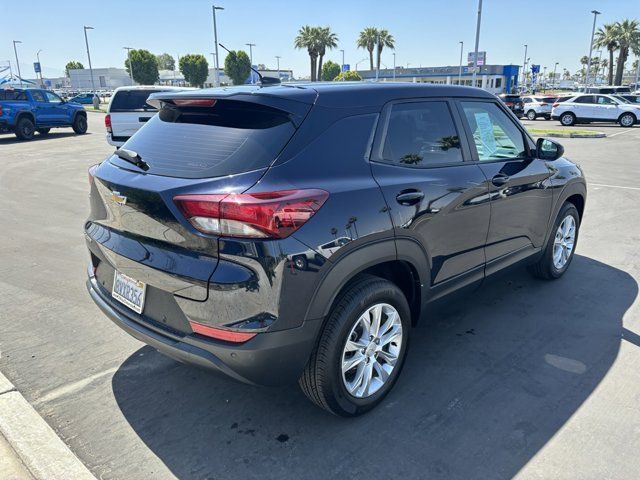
296 232
514 102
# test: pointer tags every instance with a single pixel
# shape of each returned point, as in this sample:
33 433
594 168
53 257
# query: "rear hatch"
129 110
216 144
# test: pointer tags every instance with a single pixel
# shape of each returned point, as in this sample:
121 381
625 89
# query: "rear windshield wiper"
132 157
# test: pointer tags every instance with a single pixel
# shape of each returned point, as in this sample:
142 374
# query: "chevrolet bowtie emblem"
117 198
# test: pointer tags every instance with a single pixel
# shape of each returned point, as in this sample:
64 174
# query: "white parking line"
612 186
622 133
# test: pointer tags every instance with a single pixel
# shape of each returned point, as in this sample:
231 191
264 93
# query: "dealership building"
493 78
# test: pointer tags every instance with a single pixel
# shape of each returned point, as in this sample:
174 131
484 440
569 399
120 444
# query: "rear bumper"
116 141
270 358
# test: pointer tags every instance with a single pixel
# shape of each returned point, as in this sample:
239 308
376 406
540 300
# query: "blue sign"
346 67
535 69
36 67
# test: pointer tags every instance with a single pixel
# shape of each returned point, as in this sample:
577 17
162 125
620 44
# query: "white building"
175 77
103 78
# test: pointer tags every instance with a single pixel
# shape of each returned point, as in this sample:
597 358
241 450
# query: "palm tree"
368 39
308 38
605 37
326 39
627 34
385 39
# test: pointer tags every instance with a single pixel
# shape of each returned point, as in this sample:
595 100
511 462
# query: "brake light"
509 104
194 102
92 172
1 113
251 215
107 123
221 334
556 104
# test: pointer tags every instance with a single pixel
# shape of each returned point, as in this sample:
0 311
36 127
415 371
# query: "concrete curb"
34 441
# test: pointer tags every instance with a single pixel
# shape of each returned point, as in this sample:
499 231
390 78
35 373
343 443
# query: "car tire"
627 120
345 354
547 117
568 119
531 115
300 262
80 124
563 239
25 129
44 131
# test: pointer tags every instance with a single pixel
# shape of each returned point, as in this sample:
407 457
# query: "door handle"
500 179
409 197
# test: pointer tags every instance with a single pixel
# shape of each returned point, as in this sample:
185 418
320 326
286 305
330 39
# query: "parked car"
595 108
631 98
27 111
537 106
411 191
514 102
83 98
128 111
607 89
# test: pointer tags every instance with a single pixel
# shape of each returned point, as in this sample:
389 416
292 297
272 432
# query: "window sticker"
487 137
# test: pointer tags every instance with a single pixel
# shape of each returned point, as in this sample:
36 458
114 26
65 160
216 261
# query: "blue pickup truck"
29 110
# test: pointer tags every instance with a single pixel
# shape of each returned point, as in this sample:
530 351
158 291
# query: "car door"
519 187
41 109
57 109
585 107
435 197
606 108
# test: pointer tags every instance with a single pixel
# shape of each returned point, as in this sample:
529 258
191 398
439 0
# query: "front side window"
494 134
421 134
37 96
600 100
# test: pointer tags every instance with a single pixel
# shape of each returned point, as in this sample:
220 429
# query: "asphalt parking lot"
522 378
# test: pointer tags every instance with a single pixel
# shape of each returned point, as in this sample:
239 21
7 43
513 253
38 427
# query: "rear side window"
421 134
494 134
201 142
549 100
131 101
15 95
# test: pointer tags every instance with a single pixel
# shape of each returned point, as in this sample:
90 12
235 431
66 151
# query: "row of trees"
317 40
623 37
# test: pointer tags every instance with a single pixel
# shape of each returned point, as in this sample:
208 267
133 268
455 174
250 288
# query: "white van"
128 111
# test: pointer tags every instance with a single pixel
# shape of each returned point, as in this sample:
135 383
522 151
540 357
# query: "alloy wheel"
371 351
564 242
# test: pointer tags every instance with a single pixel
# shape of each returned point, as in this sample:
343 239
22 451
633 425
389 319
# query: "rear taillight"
92 172
221 334
251 215
1 113
107 123
509 104
556 104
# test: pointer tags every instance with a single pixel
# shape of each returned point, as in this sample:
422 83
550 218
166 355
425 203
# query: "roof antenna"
263 80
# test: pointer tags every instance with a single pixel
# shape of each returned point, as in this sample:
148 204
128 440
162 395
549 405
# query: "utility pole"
86 41
15 50
128 49
460 71
593 31
554 74
40 68
394 65
475 58
342 60
215 40
278 57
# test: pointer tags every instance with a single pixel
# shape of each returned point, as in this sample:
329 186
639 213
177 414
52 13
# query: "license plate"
129 291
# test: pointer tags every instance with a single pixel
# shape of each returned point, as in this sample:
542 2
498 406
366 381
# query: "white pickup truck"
128 111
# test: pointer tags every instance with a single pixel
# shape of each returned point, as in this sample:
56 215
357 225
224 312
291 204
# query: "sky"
427 32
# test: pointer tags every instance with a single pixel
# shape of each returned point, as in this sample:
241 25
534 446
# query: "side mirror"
548 149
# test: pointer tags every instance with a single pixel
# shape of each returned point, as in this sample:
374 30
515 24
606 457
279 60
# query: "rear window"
201 142
131 101
511 98
548 100
15 95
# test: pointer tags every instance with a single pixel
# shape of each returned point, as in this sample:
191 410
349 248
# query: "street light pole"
215 40
342 59
86 41
460 70
475 58
593 31
15 50
394 65
40 68
278 57
251 45
128 49
524 66
544 79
